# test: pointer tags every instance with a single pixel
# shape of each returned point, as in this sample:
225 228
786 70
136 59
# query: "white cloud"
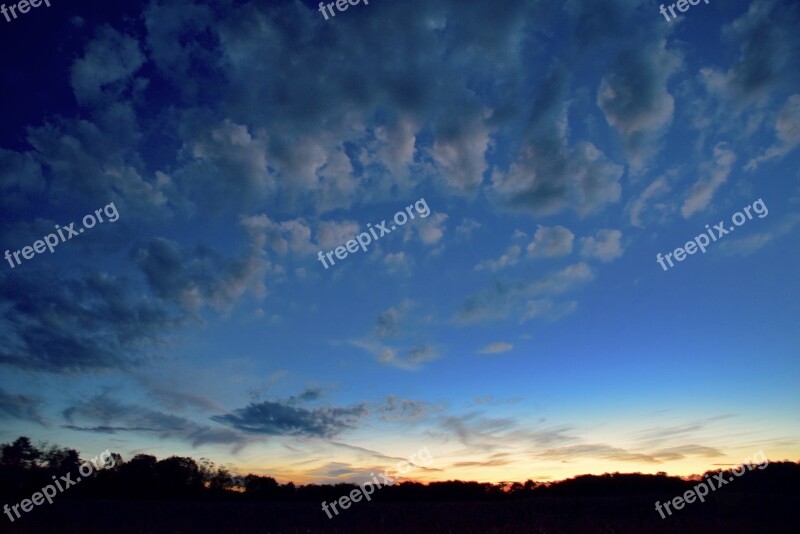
605 246
546 309
511 257
703 190
658 188
787 129
551 242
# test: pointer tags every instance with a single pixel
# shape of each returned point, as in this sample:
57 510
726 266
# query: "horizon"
545 238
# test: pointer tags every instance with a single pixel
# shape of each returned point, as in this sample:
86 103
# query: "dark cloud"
635 99
104 414
769 52
548 174
307 395
20 407
20 179
62 325
282 419
396 409
174 399
200 277
106 68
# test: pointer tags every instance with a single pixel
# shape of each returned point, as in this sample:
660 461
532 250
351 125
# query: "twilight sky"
523 329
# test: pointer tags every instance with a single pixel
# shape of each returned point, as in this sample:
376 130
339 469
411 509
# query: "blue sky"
523 329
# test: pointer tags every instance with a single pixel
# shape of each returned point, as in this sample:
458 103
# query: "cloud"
511 257
197 278
104 414
502 299
388 323
596 450
396 409
459 149
69 325
410 358
639 205
768 60
430 229
490 433
550 242
175 399
787 129
107 66
561 281
604 246
20 407
635 99
544 180
20 178
748 245
467 228
288 236
397 262
703 190
283 419
331 234
498 347
546 309
226 165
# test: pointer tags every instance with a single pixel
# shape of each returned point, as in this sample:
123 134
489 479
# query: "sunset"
489 242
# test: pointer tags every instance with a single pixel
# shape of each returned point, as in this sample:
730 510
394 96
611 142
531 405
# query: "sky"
519 326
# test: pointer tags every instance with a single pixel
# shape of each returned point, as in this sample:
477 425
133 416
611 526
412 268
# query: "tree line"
26 468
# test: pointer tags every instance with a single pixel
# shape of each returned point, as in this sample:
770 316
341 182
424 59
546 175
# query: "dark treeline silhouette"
25 469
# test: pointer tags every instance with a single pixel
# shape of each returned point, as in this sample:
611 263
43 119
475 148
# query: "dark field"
726 513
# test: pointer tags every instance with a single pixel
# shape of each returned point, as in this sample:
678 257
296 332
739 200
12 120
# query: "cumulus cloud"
106 67
198 278
545 181
391 322
511 257
605 245
430 230
331 234
410 358
226 165
550 242
635 99
459 149
397 263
